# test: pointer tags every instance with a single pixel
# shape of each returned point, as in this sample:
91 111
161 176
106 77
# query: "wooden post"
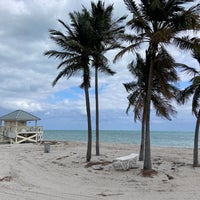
46 148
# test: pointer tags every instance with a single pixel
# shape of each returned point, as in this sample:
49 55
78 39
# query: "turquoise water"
158 138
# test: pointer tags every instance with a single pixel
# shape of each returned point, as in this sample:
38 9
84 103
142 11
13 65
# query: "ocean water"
158 138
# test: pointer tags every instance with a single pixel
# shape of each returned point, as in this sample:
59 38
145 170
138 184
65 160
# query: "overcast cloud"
26 75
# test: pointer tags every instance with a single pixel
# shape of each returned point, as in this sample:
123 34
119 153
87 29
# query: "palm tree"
136 97
105 31
75 57
160 95
156 23
193 90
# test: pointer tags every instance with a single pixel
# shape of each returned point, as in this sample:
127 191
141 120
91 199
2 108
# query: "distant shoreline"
160 139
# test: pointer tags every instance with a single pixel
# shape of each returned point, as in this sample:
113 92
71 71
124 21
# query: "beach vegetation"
193 90
163 90
89 37
74 52
155 24
104 34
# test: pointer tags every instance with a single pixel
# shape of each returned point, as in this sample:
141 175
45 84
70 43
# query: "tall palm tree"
193 90
105 31
155 24
136 97
75 54
160 95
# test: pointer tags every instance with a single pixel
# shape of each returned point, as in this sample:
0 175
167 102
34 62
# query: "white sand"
27 173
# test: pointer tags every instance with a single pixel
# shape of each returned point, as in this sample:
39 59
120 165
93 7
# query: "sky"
26 75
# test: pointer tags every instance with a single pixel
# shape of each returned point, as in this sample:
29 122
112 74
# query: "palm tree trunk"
196 141
89 142
141 154
147 156
97 111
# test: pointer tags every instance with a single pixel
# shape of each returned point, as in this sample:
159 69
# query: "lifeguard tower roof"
19 115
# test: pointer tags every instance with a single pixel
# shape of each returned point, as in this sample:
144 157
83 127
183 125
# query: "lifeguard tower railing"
22 134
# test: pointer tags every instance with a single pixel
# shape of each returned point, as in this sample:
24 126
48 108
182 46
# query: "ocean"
158 138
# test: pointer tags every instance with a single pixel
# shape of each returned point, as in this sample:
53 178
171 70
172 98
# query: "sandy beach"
27 173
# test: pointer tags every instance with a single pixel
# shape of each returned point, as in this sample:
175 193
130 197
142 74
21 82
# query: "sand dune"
27 173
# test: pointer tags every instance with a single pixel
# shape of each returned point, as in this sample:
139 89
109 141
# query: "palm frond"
163 107
130 86
68 28
185 94
189 70
130 48
183 42
58 54
132 7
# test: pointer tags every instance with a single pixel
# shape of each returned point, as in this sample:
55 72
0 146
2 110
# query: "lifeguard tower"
13 126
